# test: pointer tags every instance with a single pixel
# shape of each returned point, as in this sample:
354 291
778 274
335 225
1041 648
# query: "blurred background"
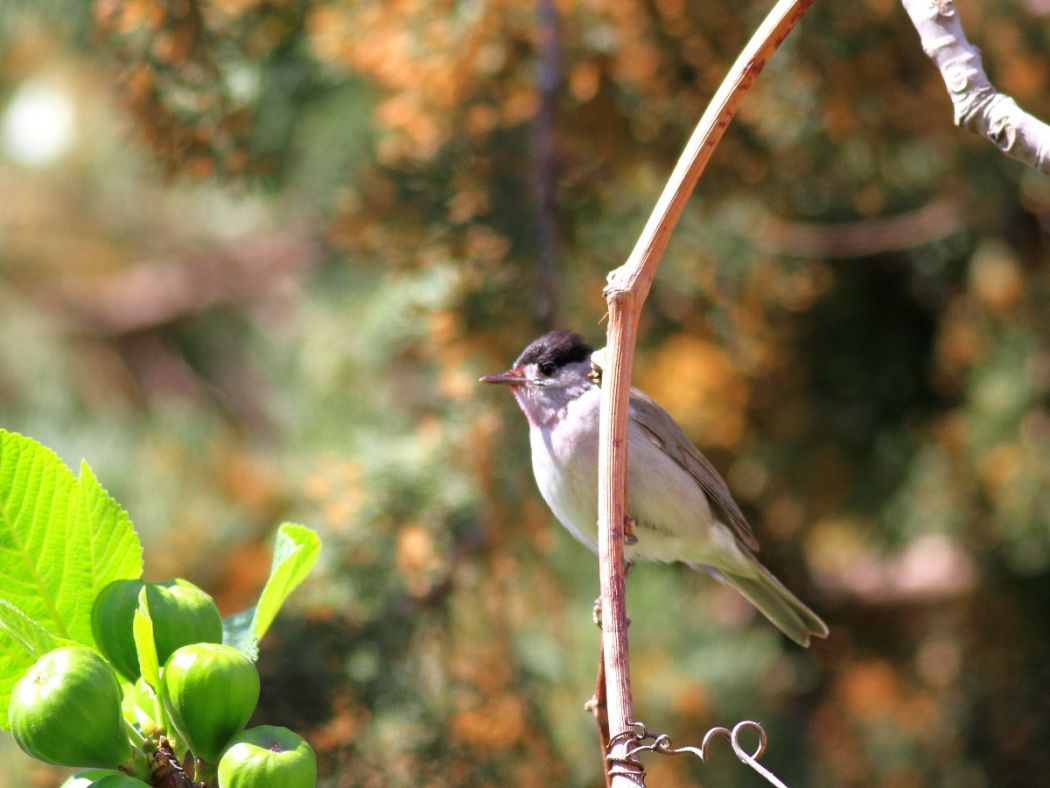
254 255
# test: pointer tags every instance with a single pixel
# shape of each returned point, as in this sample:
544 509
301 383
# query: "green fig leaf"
145 646
104 530
62 539
237 631
294 554
28 635
43 573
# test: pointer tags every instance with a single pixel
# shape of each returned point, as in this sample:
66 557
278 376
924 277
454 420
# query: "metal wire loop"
629 763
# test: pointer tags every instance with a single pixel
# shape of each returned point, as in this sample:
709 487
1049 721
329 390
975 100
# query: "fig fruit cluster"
181 614
76 705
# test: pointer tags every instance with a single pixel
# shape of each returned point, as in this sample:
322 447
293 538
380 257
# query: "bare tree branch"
939 219
155 293
626 291
979 107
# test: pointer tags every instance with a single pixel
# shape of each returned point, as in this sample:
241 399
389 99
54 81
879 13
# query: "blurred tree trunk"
546 164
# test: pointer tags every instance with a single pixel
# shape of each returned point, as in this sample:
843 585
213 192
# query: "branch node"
944 7
615 290
957 78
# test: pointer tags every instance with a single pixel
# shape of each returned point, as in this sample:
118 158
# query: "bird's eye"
548 368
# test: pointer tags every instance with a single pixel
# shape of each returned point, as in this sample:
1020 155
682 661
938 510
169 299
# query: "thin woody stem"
599 708
626 291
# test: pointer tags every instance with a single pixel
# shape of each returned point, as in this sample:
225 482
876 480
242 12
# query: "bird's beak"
512 377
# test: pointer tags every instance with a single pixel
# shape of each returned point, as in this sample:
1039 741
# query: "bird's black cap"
556 348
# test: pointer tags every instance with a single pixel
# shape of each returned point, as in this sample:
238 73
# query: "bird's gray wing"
663 431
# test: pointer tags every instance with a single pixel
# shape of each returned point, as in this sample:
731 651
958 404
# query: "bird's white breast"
565 463
673 515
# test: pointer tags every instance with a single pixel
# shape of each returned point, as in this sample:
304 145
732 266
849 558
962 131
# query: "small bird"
680 509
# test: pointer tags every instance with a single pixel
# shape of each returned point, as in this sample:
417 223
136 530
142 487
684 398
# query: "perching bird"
681 509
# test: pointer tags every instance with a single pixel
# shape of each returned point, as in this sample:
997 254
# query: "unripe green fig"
268 756
102 778
181 614
111 619
66 710
209 691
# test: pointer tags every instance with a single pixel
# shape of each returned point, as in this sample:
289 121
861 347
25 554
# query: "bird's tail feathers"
775 602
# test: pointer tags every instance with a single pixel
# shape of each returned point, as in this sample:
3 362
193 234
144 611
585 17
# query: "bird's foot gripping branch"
138 683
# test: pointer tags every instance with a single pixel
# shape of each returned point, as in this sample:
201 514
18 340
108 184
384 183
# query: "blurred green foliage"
255 253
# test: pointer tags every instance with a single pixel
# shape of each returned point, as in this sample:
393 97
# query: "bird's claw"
629 526
596 614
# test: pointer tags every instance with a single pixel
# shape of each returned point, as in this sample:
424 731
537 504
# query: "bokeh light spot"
38 125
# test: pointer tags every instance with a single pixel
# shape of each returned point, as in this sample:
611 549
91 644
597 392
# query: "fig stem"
135 736
138 765
158 713
205 772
